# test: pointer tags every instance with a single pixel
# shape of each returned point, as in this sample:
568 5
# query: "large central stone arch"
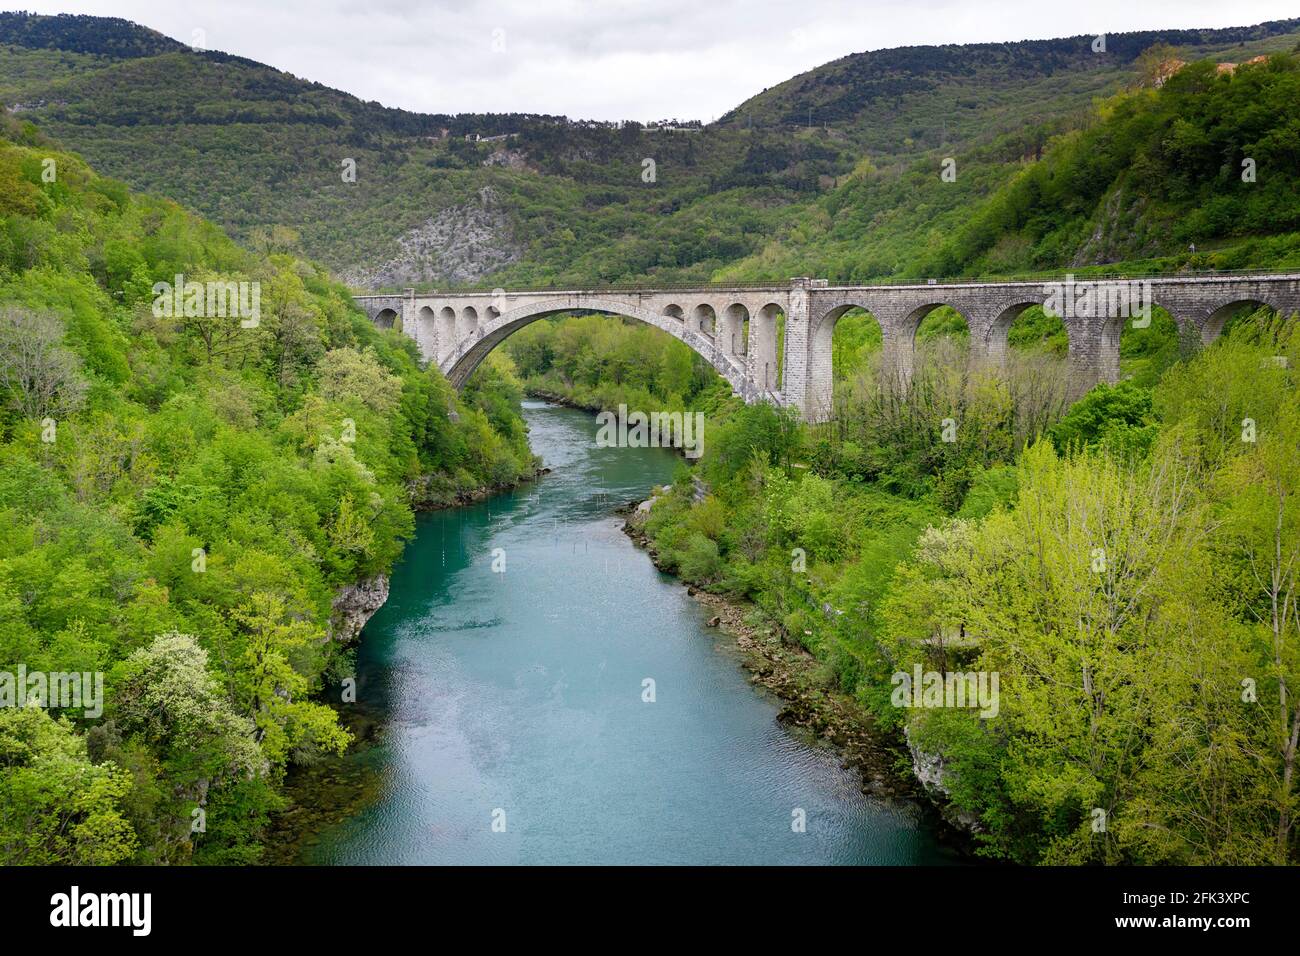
469 351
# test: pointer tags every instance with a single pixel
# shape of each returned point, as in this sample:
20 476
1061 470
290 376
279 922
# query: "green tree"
56 807
271 692
1262 486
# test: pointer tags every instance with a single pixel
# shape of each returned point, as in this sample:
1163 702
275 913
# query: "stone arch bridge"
735 327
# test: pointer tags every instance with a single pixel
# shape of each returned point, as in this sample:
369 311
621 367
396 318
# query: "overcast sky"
615 59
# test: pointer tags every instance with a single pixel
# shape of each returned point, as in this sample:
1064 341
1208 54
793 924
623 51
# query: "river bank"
883 761
330 792
435 492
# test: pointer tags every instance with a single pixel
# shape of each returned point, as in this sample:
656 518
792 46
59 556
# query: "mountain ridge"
254 148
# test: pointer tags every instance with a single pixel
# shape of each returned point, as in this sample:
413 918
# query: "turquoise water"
516 698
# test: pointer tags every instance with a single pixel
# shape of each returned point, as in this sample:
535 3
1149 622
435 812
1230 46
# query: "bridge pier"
1093 354
761 354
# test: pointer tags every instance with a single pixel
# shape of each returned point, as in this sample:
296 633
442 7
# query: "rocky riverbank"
884 761
437 491
558 398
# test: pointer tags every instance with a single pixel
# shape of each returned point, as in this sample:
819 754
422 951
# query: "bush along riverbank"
794 675
812 703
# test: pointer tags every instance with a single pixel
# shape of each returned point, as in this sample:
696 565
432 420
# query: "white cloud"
615 59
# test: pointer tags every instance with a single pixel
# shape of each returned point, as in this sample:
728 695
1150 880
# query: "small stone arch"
1212 326
705 320
1189 329
911 322
386 319
675 312
735 328
995 342
426 327
901 340
821 380
760 348
468 324
446 329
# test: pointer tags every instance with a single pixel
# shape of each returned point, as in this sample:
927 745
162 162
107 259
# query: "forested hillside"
1202 172
847 154
181 499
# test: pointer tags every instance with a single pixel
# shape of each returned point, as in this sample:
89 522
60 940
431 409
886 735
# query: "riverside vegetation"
180 500
1126 563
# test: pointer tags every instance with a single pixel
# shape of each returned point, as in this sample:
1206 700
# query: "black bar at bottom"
258 906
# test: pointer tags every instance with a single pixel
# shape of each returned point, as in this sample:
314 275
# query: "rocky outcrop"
460 245
354 606
509 158
643 508
433 492
932 773
1122 228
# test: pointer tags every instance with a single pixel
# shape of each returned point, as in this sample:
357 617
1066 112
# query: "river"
514 724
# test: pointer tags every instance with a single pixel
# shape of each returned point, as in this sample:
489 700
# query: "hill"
893 103
524 199
1198 173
